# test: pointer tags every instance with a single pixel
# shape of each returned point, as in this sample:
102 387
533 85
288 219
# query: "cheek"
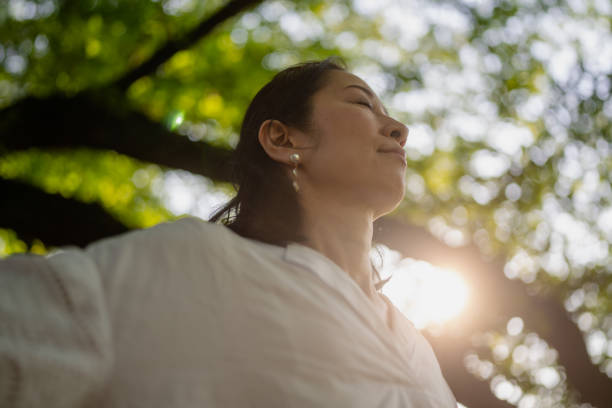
347 130
347 156
347 119
346 147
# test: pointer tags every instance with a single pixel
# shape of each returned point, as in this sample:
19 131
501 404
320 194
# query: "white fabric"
190 314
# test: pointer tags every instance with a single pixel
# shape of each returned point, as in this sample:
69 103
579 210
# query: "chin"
389 200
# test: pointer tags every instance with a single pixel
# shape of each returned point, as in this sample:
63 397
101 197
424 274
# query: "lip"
396 152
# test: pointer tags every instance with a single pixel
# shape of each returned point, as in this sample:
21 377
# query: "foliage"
120 184
508 103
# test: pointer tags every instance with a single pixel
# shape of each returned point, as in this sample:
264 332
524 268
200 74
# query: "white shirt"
190 314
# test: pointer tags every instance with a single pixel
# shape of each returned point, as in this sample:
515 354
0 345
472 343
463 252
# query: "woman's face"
359 157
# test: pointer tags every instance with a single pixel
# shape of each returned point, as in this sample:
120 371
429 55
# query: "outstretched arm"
55 337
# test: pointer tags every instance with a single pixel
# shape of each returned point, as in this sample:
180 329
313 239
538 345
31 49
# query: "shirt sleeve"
55 336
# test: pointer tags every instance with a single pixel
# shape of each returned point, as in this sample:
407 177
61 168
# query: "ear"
277 140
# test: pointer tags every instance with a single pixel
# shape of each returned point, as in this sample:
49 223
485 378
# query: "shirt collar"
314 261
335 277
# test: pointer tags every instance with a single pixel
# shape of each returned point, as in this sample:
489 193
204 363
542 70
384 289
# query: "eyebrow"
369 93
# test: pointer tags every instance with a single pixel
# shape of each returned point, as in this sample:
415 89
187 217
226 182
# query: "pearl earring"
295 159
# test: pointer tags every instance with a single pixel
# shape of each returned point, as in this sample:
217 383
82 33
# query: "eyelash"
365 104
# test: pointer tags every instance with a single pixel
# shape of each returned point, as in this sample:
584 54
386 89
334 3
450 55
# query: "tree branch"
83 121
494 299
56 221
167 51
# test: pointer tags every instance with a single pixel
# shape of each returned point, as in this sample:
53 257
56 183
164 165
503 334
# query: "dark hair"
266 207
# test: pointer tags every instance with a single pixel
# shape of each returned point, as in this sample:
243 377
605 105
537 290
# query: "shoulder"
173 235
167 247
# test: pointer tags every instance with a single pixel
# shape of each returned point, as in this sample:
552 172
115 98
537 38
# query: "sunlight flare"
427 295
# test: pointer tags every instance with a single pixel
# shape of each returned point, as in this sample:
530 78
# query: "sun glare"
426 294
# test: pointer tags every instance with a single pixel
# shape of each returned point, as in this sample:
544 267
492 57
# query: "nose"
398 131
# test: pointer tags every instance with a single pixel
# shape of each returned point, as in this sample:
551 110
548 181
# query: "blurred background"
117 115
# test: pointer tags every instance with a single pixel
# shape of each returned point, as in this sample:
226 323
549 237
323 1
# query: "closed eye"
365 103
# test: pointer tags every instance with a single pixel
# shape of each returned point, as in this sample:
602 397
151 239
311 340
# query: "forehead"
340 82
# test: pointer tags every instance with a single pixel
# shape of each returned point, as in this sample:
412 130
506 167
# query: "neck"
342 234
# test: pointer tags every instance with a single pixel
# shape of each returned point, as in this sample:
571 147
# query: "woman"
277 306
